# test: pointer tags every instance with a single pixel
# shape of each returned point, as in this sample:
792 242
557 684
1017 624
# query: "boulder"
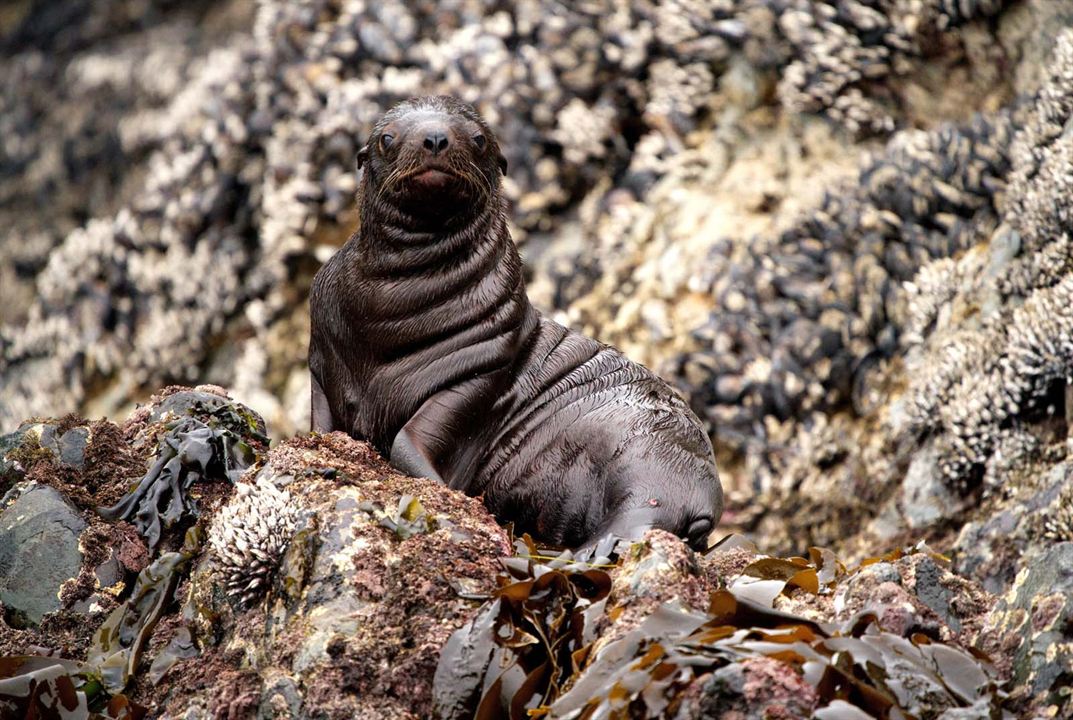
39 551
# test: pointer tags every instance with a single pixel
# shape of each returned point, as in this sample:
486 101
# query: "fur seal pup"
424 344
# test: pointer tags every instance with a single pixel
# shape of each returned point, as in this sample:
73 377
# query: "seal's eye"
385 141
480 140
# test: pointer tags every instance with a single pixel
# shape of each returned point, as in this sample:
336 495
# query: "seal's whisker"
481 181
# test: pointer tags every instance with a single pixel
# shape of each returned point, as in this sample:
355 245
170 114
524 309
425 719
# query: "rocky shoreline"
840 228
310 580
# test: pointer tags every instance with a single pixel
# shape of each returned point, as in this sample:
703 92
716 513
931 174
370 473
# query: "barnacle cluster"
842 48
1058 524
249 535
1010 346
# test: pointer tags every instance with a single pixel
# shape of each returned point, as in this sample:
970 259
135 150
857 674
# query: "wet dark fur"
424 343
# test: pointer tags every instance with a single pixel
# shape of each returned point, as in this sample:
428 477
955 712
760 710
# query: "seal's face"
690 511
432 157
690 520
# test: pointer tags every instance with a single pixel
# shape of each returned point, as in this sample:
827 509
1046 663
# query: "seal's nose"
697 533
436 141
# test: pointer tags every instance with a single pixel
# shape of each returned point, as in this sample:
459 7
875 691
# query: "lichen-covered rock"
371 581
1034 621
383 596
89 466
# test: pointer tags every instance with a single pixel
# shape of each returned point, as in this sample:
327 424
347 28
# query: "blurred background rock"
841 228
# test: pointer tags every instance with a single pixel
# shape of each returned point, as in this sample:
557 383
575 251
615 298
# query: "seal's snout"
698 531
433 158
436 141
690 519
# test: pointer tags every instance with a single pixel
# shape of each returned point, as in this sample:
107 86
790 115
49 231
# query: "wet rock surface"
1034 619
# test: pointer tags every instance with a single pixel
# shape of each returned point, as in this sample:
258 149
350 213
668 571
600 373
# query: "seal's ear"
363 155
502 164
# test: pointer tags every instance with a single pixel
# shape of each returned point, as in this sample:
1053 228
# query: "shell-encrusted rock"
249 535
842 48
1004 361
242 147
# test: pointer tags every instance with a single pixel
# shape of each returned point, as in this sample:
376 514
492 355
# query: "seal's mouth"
432 178
433 185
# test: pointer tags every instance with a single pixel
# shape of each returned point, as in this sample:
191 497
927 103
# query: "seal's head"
432 157
669 485
688 512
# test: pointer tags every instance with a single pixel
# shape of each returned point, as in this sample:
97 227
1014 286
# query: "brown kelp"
530 651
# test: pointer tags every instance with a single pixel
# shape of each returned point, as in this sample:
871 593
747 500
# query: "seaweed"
208 443
516 653
182 646
764 579
408 520
118 643
50 688
529 651
642 674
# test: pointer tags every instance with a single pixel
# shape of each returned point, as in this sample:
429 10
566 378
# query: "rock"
31 442
926 498
755 689
1034 620
39 551
11 471
323 579
185 402
365 595
72 446
994 548
784 271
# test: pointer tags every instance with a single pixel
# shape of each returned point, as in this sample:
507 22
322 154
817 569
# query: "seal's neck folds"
416 287
397 245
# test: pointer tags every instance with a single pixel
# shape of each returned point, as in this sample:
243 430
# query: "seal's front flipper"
320 413
410 457
438 440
